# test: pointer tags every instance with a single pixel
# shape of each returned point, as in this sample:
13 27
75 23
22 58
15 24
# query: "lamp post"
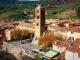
30 47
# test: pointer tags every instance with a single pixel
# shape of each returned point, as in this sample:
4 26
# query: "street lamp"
30 47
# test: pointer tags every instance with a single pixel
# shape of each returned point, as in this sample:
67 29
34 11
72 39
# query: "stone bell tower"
39 21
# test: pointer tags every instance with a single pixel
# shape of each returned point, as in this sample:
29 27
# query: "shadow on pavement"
7 56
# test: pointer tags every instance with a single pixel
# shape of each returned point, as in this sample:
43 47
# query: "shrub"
37 57
39 42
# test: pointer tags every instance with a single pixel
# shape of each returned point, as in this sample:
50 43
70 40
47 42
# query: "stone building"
2 36
40 21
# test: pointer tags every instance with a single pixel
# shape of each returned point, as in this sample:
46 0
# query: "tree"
19 34
59 37
13 35
78 12
47 39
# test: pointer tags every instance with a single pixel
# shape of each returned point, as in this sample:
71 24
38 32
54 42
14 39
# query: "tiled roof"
1 29
15 23
77 42
28 25
51 21
63 29
9 24
72 29
62 55
75 47
58 43
32 31
71 22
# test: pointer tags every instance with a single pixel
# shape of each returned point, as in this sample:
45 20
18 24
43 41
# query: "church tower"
39 21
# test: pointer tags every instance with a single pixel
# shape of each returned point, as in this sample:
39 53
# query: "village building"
68 50
39 26
2 36
40 21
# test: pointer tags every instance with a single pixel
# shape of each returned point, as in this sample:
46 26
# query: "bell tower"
39 21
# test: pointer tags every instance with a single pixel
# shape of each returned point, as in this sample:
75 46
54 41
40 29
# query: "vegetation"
78 12
47 39
17 12
24 10
8 2
19 34
37 57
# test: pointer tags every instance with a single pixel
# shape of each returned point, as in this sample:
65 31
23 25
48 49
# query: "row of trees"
19 34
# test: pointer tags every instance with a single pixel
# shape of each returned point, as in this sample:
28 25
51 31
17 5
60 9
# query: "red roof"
72 29
71 22
62 55
31 31
75 47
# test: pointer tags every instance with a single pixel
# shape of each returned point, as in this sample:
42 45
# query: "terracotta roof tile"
1 35
29 25
32 31
71 22
15 23
75 47
58 43
72 29
62 55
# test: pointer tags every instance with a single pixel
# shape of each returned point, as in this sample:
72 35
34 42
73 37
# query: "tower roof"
40 6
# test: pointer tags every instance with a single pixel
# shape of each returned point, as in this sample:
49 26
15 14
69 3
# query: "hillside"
62 9
68 14
7 2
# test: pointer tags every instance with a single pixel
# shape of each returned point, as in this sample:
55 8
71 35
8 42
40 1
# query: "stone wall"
18 52
8 34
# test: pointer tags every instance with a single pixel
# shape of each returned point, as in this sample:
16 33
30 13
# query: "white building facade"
69 55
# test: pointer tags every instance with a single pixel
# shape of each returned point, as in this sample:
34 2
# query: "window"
37 24
37 11
72 32
37 17
79 55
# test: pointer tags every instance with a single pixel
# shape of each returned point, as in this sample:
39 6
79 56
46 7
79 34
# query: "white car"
38 51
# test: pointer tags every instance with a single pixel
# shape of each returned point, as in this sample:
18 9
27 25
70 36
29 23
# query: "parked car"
38 51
